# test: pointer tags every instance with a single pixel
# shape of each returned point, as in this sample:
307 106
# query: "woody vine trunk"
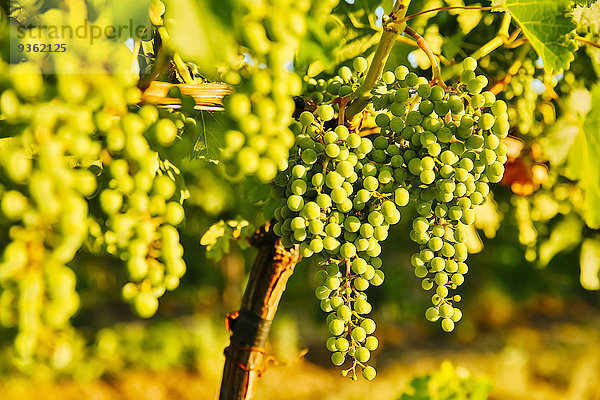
249 327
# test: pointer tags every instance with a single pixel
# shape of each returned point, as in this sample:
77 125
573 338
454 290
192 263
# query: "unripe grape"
447 325
400 72
362 354
369 373
411 79
359 334
325 112
345 73
360 64
371 343
336 327
306 118
145 305
432 314
337 358
469 63
165 131
342 344
361 306
388 77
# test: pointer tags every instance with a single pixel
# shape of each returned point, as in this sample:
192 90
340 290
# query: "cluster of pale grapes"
439 146
343 84
451 151
80 170
259 113
140 204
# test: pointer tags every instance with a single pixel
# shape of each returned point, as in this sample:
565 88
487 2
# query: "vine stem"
393 25
245 358
446 9
514 68
435 66
586 41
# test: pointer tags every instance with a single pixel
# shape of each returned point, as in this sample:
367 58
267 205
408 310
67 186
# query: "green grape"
369 373
338 358
146 304
411 79
469 63
360 64
388 77
325 112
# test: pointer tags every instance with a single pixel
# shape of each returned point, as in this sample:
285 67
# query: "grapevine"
306 129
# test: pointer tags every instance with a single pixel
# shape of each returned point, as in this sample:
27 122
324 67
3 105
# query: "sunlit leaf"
565 235
546 24
584 161
590 264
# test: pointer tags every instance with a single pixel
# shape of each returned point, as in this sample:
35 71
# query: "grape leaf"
587 18
588 22
218 237
585 3
590 264
565 236
583 161
547 26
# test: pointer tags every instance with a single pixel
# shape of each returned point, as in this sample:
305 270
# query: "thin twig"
423 45
446 9
514 68
586 41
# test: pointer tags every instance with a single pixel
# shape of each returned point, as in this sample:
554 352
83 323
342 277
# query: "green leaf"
558 139
590 264
199 33
565 236
587 18
218 237
591 161
585 3
588 24
546 24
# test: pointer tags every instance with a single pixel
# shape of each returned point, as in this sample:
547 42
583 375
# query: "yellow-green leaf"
547 26
590 264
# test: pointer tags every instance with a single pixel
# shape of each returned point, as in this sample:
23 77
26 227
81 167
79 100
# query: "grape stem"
393 25
446 9
435 66
586 41
502 38
499 86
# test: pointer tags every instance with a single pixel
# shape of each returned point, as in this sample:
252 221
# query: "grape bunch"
258 114
343 84
451 151
337 201
139 203
80 170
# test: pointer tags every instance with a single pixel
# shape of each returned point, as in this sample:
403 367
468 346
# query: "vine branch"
393 25
446 9
435 66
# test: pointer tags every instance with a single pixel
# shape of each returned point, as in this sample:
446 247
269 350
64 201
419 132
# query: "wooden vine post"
250 326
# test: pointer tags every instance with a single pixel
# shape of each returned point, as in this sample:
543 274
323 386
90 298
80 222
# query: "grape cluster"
343 84
337 201
140 204
451 151
79 169
258 114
